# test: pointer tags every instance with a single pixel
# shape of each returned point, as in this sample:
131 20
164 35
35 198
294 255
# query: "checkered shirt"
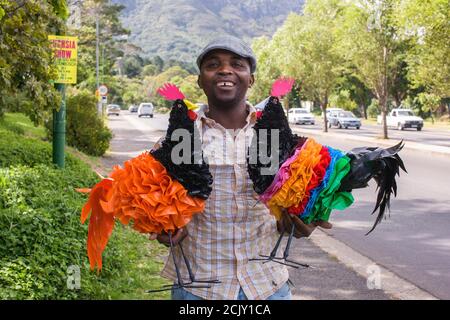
234 226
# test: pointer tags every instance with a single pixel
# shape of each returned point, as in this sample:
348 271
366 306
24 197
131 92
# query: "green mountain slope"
178 29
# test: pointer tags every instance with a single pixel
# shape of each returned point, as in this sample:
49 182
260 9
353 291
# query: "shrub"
84 129
16 149
41 234
374 109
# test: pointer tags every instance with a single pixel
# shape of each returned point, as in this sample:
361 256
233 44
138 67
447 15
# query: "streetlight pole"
99 104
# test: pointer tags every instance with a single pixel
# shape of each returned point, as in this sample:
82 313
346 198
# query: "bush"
374 109
18 150
41 234
84 129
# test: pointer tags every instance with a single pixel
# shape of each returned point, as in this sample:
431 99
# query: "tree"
132 66
149 70
26 68
112 39
305 47
368 40
427 25
267 71
357 91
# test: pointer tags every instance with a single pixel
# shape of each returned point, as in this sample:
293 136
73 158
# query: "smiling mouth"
225 84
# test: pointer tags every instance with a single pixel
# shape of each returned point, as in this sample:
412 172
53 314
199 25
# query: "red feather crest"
171 92
281 87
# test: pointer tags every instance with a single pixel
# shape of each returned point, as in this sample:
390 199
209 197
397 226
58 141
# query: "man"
234 227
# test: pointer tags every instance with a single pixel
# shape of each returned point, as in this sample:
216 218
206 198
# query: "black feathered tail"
193 175
380 164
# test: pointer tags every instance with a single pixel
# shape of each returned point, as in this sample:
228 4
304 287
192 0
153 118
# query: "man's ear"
199 82
252 80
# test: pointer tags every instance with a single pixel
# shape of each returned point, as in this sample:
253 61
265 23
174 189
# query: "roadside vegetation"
41 237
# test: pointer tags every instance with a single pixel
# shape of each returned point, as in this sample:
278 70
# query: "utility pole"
99 104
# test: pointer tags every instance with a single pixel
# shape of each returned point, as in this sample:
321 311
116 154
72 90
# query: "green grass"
40 230
19 122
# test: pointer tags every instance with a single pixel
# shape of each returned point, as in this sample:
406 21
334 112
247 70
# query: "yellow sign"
65 53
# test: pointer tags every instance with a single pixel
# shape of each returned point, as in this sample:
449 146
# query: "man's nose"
225 68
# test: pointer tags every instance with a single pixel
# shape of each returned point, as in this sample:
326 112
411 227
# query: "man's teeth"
225 84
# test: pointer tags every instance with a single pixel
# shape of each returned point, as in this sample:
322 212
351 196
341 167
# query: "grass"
143 258
20 123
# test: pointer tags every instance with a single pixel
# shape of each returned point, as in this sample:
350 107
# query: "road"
414 242
432 136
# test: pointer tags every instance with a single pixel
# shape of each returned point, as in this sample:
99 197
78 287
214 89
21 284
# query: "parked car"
329 110
343 119
403 118
145 110
112 109
300 116
133 108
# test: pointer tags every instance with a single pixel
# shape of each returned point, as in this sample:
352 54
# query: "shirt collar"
201 113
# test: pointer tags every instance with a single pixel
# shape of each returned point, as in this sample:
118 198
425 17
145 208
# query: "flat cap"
231 44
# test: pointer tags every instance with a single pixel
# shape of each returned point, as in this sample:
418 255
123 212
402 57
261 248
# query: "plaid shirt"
232 229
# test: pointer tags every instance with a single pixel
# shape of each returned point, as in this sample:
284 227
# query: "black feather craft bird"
310 179
155 192
192 171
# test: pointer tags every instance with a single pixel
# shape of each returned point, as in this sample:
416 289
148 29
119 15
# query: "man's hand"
163 238
301 229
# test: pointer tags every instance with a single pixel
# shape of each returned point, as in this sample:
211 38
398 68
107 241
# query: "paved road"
414 242
327 280
439 137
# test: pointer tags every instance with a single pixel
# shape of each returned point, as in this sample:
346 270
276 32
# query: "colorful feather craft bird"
152 191
312 179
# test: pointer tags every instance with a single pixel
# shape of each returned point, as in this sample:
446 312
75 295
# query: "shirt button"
274 283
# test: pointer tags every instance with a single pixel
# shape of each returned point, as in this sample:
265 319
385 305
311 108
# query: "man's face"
225 78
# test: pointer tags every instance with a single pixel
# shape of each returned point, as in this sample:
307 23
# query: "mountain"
177 29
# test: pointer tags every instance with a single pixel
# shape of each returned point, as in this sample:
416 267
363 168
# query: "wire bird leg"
180 283
191 274
284 259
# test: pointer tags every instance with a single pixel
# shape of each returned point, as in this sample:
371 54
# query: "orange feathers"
142 192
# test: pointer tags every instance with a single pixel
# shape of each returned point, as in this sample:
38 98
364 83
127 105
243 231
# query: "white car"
330 110
145 110
300 116
403 118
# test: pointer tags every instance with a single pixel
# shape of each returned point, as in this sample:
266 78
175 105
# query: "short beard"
225 105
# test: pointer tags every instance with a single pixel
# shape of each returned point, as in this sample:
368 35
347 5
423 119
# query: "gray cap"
232 44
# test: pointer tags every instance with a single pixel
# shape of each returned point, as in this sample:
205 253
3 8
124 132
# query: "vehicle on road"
343 119
402 118
145 110
112 109
329 110
300 116
133 108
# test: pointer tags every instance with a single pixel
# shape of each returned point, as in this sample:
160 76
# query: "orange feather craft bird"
151 191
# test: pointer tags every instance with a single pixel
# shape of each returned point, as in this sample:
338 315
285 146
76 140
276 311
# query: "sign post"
65 53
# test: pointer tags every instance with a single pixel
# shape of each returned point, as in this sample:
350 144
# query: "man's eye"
211 64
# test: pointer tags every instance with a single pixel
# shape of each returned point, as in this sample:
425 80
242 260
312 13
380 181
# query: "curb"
411 145
390 283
